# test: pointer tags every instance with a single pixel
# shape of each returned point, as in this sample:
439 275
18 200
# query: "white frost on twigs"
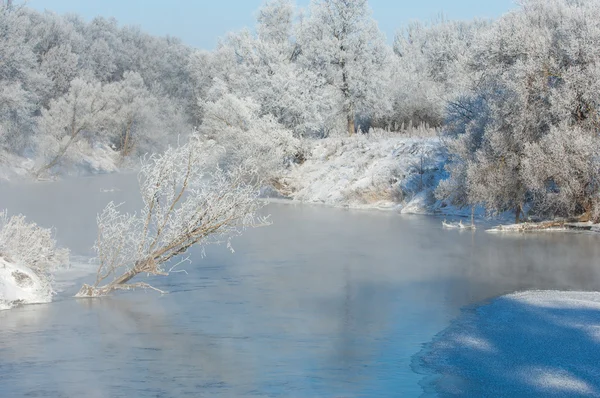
28 257
187 201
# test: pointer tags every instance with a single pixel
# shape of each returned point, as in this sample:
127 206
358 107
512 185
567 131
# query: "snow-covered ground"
20 285
531 344
372 171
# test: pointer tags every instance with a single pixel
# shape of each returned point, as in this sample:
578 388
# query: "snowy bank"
28 258
371 171
83 159
539 343
20 285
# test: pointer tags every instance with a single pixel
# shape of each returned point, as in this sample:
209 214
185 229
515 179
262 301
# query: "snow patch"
382 170
536 343
476 343
557 380
20 285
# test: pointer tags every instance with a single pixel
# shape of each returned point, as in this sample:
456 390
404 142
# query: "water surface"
324 303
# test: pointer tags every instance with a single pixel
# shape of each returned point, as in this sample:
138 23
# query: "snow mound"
373 170
538 343
20 285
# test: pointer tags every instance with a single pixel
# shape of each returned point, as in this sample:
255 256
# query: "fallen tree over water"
186 203
559 225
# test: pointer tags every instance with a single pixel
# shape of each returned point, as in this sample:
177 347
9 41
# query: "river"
325 302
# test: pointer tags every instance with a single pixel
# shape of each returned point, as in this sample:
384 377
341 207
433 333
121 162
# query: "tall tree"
341 43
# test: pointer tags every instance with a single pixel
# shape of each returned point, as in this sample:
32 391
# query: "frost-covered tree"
30 245
21 84
28 256
248 138
78 111
186 202
60 64
264 67
284 88
533 102
341 44
127 101
136 120
430 69
563 172
131 112
44 56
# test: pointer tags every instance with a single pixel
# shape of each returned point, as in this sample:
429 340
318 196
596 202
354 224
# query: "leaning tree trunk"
184 205
148 266
126 141
61 152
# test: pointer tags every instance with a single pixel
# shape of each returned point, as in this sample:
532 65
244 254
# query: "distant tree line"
67 85
516 99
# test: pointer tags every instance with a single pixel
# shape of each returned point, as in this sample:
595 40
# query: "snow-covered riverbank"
84 160
372 171
28 259
20 285
538 343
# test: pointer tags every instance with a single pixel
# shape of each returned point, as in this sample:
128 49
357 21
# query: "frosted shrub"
28 257
30 245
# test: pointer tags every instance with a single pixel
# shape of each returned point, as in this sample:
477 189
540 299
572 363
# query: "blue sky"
201 22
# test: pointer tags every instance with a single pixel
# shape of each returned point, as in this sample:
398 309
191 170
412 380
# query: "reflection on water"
325 302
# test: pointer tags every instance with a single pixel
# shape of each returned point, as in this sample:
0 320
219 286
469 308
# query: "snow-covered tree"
80 110
30 245
264 67
60 64
341 43
186 202
28 258
21 84
563 171
533 102
430 69
248 138
136 120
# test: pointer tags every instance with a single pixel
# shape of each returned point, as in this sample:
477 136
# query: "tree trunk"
351 126
63 149
98 291
126 141
349 107
587 216
59 155
518 214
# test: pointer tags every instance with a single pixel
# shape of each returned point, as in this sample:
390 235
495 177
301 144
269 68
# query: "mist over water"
325 302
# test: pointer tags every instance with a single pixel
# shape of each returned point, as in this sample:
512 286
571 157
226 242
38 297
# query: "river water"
323 303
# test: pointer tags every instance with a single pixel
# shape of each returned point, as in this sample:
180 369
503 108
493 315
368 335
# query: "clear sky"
201 22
